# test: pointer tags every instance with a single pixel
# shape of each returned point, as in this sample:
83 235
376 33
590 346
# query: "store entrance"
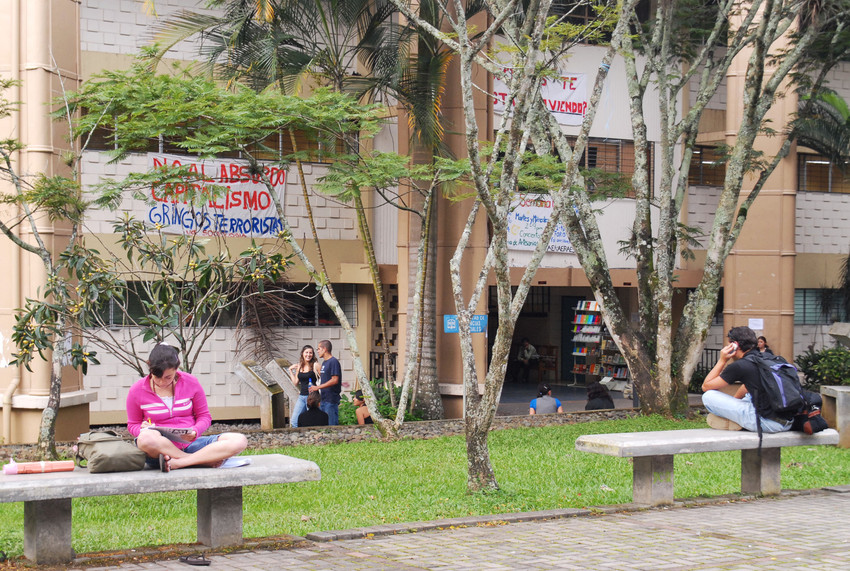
568 346
545 322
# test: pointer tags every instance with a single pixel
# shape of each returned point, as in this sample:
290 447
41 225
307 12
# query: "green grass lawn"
371 483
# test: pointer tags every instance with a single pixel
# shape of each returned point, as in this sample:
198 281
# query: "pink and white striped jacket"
189 408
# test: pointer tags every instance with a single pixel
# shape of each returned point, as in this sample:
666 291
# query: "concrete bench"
652 472
47 498
836 411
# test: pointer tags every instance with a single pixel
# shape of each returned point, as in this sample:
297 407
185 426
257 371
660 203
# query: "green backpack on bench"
105 451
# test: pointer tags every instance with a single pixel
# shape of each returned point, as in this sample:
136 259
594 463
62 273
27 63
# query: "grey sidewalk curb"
148 555
503 519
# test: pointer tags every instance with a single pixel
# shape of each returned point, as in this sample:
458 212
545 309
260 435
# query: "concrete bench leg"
761 474
836 412
220 516
47 531
652 481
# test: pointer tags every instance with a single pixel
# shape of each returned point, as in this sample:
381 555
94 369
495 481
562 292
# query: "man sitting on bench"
727 412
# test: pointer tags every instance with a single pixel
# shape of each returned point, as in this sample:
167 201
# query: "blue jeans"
741 411
332 410
193 447
300 406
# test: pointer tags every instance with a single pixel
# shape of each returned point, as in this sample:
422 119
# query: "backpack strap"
760 364
758 421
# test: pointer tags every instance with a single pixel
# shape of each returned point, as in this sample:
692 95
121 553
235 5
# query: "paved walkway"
795 531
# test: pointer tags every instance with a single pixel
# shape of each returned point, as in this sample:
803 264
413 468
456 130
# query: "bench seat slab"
220 517
652 454
47 498
652 480
47 531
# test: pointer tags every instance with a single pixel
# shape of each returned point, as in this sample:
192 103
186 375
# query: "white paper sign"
565 97
526 222
246 210
756 324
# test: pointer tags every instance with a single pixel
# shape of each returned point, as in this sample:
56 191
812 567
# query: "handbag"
105 451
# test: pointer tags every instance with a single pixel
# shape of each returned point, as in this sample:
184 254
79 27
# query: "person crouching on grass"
168 398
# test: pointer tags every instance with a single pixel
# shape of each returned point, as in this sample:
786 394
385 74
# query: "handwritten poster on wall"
247 209
526 222
565 97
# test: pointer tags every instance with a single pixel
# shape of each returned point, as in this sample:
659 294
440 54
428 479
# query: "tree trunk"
481 477
427 392
47 431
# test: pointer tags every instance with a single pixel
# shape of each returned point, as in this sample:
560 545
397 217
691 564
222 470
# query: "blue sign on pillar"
477 324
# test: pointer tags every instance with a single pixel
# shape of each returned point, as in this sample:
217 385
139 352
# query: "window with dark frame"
816 173
614 156
314 312
818 306
708 167
582 12
537 301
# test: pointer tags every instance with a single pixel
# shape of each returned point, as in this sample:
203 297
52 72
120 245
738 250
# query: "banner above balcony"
247 209
527 220
565 97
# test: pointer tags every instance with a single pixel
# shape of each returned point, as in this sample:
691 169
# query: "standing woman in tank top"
303 374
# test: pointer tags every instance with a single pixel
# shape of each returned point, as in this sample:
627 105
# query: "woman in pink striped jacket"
167 412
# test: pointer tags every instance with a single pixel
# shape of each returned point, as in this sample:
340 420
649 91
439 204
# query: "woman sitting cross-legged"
171 399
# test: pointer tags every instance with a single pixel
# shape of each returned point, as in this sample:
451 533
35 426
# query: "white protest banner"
527 220
565 97
246 210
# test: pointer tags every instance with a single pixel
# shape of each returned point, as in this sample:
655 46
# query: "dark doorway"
568 305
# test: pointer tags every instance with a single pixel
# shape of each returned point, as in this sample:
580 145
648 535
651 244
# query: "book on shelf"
587 329
587 306
582 338
586 369
617 372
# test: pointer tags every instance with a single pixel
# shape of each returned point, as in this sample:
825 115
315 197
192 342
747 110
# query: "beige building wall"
39 49
790 241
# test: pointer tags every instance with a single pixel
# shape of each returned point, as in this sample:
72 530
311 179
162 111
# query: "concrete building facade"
790 249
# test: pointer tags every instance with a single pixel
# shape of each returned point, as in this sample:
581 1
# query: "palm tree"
272 43
824 126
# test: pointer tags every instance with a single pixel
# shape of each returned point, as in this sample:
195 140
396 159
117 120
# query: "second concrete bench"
653 456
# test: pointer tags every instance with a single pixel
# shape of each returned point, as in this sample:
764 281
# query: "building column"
759 273
44 57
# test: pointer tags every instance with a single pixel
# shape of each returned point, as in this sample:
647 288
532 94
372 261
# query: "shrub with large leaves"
825 367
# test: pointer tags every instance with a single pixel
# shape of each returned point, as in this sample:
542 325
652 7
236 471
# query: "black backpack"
778 389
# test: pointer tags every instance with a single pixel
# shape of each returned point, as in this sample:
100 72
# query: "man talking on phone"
728 412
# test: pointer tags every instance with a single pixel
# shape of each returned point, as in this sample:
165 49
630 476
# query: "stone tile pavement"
806 530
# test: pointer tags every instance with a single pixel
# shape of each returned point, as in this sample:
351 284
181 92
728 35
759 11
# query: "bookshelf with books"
587 337
612 361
